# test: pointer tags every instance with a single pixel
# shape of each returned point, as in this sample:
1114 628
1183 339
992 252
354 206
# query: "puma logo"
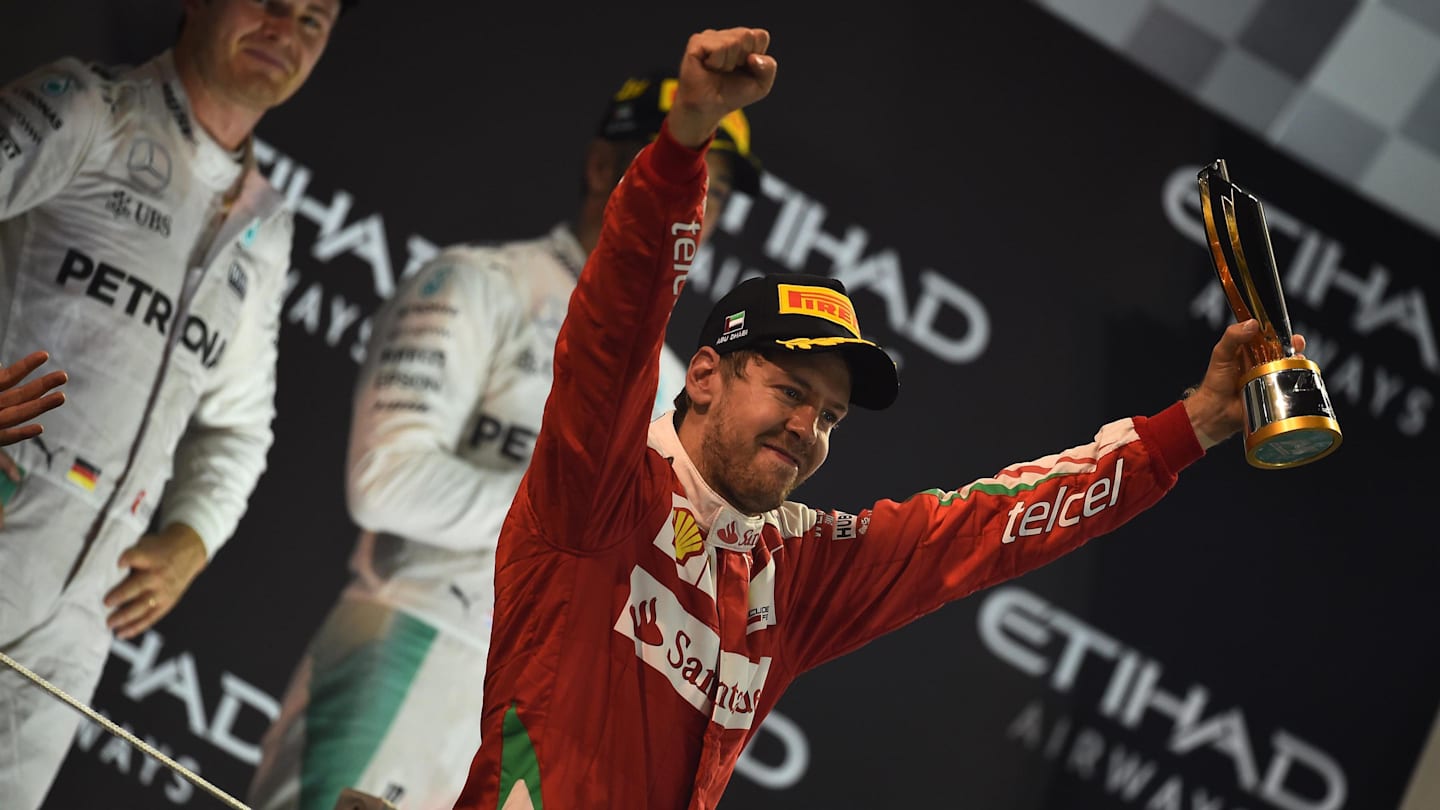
49 454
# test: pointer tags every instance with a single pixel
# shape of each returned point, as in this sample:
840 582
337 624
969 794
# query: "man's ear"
703 378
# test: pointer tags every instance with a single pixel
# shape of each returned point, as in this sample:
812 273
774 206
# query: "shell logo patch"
688 540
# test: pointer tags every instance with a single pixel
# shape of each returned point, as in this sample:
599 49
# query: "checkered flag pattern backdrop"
1350 87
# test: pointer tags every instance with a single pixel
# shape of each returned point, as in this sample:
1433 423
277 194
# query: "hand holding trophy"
1288 417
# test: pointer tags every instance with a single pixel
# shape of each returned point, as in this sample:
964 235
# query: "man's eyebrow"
330 14
801 381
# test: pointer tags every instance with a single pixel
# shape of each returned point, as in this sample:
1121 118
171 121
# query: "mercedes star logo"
149 165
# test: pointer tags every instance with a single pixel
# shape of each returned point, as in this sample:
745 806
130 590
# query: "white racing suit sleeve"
429 362
48 120
672 381
222 453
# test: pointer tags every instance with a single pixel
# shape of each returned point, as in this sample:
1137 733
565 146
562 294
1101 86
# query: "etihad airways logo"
1098 674
725 686
819 302
1066 510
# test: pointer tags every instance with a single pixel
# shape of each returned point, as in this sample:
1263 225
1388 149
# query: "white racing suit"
447 407
120 257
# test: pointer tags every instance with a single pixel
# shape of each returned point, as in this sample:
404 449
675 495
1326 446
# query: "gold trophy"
1288 417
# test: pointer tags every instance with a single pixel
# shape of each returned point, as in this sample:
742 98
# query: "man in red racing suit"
648 613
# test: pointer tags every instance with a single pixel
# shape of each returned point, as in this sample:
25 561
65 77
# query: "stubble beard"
728 464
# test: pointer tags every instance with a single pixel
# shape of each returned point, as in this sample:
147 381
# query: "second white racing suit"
447 407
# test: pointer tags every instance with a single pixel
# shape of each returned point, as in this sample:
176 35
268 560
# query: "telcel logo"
684 251
1066 510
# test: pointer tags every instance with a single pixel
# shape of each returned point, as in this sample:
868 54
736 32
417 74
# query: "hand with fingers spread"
19 403
161 567
1216 406
721 71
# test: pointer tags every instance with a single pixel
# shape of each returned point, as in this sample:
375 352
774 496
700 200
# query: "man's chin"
755 485
263 90
759 506
770 498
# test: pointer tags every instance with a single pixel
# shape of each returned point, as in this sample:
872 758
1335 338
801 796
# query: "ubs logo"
149 165
122 205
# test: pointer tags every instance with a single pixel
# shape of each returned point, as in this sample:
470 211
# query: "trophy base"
1288 418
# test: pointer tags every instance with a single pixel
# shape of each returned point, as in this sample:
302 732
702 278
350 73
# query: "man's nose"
279 23
804 422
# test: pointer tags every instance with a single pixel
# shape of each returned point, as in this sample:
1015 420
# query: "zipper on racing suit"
193 277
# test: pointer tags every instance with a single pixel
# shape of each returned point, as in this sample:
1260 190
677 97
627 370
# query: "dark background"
1026 165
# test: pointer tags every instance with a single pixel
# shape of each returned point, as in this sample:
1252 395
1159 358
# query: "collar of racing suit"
567 248
710 510
213 164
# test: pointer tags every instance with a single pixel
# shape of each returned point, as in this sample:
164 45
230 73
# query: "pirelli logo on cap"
819 302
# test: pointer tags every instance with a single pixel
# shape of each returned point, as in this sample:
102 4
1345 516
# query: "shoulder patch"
436 281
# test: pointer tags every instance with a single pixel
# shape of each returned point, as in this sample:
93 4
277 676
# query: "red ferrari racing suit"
643 626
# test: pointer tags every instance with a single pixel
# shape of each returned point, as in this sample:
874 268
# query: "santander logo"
724 685
736 537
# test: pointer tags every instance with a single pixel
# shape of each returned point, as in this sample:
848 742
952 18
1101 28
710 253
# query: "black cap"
800 312
638 108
